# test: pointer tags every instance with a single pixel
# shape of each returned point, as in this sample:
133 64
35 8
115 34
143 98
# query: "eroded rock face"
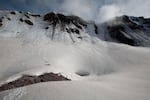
28 80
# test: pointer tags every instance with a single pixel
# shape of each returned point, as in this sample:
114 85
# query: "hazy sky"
99 10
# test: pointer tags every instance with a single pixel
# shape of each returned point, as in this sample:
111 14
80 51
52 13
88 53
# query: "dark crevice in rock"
96 29
28 80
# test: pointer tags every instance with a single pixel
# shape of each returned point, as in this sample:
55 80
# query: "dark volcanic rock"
21 19
131 24
147 21
28 22
28 80
62 19
118 33
129 30
46 28
51 17
1 24
13 12
35 15
1 20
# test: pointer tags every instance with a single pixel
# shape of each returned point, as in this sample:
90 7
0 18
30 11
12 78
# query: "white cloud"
136 7
102 10
108 12
98 10
82 8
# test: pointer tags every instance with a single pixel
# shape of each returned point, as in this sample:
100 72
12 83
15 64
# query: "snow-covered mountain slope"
33 45
115 71
58 27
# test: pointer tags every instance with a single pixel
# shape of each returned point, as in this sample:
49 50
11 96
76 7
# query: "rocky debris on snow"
29 80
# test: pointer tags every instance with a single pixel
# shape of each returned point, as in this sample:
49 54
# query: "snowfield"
99 70
115 71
